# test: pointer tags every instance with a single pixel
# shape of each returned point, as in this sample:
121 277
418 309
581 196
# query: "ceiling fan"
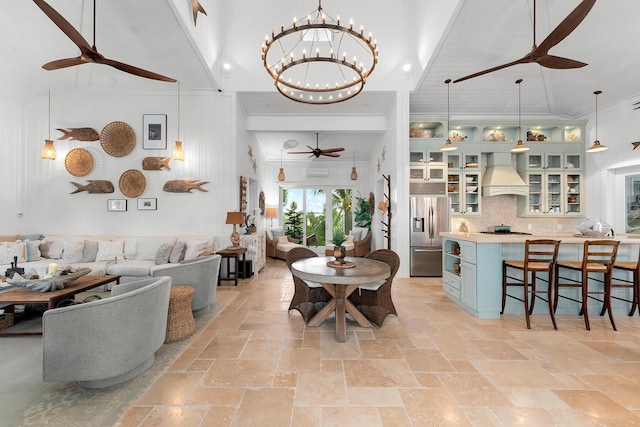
539 54
88 54
329 152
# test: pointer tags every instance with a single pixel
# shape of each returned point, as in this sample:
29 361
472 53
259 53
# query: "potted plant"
339 251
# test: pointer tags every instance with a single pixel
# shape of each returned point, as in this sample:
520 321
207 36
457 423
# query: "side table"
229 254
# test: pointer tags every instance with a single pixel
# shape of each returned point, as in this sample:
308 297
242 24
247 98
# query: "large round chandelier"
316 60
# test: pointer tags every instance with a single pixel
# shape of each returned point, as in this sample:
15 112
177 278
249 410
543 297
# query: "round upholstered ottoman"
180 323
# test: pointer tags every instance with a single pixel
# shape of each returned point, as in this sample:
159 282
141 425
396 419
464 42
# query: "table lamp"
235 218
271 213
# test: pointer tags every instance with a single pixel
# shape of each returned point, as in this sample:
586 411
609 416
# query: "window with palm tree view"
312 219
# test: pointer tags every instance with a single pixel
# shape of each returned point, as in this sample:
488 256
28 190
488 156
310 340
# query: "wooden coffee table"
24 296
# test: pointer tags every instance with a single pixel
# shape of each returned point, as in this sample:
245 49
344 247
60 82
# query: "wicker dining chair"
307 295
374 299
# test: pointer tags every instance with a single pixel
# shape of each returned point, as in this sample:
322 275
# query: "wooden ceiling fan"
317 152
88 54
539 54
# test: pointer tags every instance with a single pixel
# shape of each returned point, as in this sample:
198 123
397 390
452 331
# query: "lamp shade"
235 218
272 212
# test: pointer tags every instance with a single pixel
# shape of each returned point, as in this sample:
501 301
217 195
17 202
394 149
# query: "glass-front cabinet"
463 188
554 188
632 197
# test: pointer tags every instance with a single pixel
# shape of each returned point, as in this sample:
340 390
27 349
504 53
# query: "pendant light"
519 147
281 173
48 151
448 146
354 172
596 144
178 151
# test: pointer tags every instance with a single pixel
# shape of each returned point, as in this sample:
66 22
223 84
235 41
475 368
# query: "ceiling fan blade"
490 70
297 152
329 154
135 70
558 62
332 150
565 28
63 24
64 63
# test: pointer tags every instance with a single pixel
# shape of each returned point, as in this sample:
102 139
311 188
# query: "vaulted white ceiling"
438 39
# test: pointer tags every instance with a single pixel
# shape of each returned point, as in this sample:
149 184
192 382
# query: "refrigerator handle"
431 224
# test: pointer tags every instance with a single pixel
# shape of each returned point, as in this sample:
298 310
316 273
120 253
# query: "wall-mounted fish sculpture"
196 7
155 163
79 134
184 185
94 186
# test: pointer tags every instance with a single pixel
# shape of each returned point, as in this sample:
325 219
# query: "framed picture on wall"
147 204
154 128
117 205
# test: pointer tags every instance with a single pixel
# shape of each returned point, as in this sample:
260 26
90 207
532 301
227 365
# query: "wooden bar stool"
598 258
634 268
540 256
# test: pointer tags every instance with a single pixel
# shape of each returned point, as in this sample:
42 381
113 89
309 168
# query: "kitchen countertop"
517 238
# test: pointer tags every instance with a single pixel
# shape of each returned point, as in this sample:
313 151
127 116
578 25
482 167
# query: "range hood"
501 178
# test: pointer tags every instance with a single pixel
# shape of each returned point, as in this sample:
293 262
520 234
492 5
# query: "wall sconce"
354 172
272 213
281 173
235 218
48 151
178 151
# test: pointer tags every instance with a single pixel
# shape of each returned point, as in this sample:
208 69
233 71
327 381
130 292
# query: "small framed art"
147 204
154 131
117 205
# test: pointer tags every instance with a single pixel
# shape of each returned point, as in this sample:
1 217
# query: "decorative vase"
253 229
340 252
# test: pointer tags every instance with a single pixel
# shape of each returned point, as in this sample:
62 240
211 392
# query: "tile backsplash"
498 210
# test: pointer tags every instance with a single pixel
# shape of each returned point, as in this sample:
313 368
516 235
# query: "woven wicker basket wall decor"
132 183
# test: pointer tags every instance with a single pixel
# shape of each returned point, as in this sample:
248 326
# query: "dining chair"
307 294
632 267
540 256
374 299
598 258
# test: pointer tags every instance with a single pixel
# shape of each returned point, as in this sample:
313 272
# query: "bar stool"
540 256
598 258
634 268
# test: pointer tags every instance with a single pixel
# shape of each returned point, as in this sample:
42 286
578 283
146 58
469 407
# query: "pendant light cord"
519 110
178 110
597 93
49 113
448 81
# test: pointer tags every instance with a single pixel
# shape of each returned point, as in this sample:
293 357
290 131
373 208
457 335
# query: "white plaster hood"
500 177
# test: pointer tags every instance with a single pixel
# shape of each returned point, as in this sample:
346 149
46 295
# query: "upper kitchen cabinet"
552 161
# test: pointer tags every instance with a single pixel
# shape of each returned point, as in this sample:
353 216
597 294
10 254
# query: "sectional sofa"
132 257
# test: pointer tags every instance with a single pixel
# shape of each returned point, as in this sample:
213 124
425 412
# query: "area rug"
25 400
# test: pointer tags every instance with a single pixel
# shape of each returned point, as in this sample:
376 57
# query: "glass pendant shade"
178 152
48 151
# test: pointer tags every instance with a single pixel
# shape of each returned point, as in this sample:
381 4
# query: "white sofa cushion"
286 247
10 249
110 250
133 267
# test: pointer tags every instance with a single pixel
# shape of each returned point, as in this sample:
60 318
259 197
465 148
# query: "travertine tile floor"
258 365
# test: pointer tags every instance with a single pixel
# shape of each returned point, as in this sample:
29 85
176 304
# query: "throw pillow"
177 253
72 252
283 239
8 250
11 238
363 232
195 248
277 233
355 234
349 239
162 256
55 250
32 250
108 250
90 251
44 248
31 237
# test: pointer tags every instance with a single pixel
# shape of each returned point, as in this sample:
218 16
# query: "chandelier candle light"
315 59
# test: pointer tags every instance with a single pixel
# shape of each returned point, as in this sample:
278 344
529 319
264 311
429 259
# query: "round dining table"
340 282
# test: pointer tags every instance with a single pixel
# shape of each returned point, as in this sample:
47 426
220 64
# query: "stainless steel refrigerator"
429 217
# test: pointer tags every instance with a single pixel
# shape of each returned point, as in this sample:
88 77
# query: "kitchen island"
472 270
